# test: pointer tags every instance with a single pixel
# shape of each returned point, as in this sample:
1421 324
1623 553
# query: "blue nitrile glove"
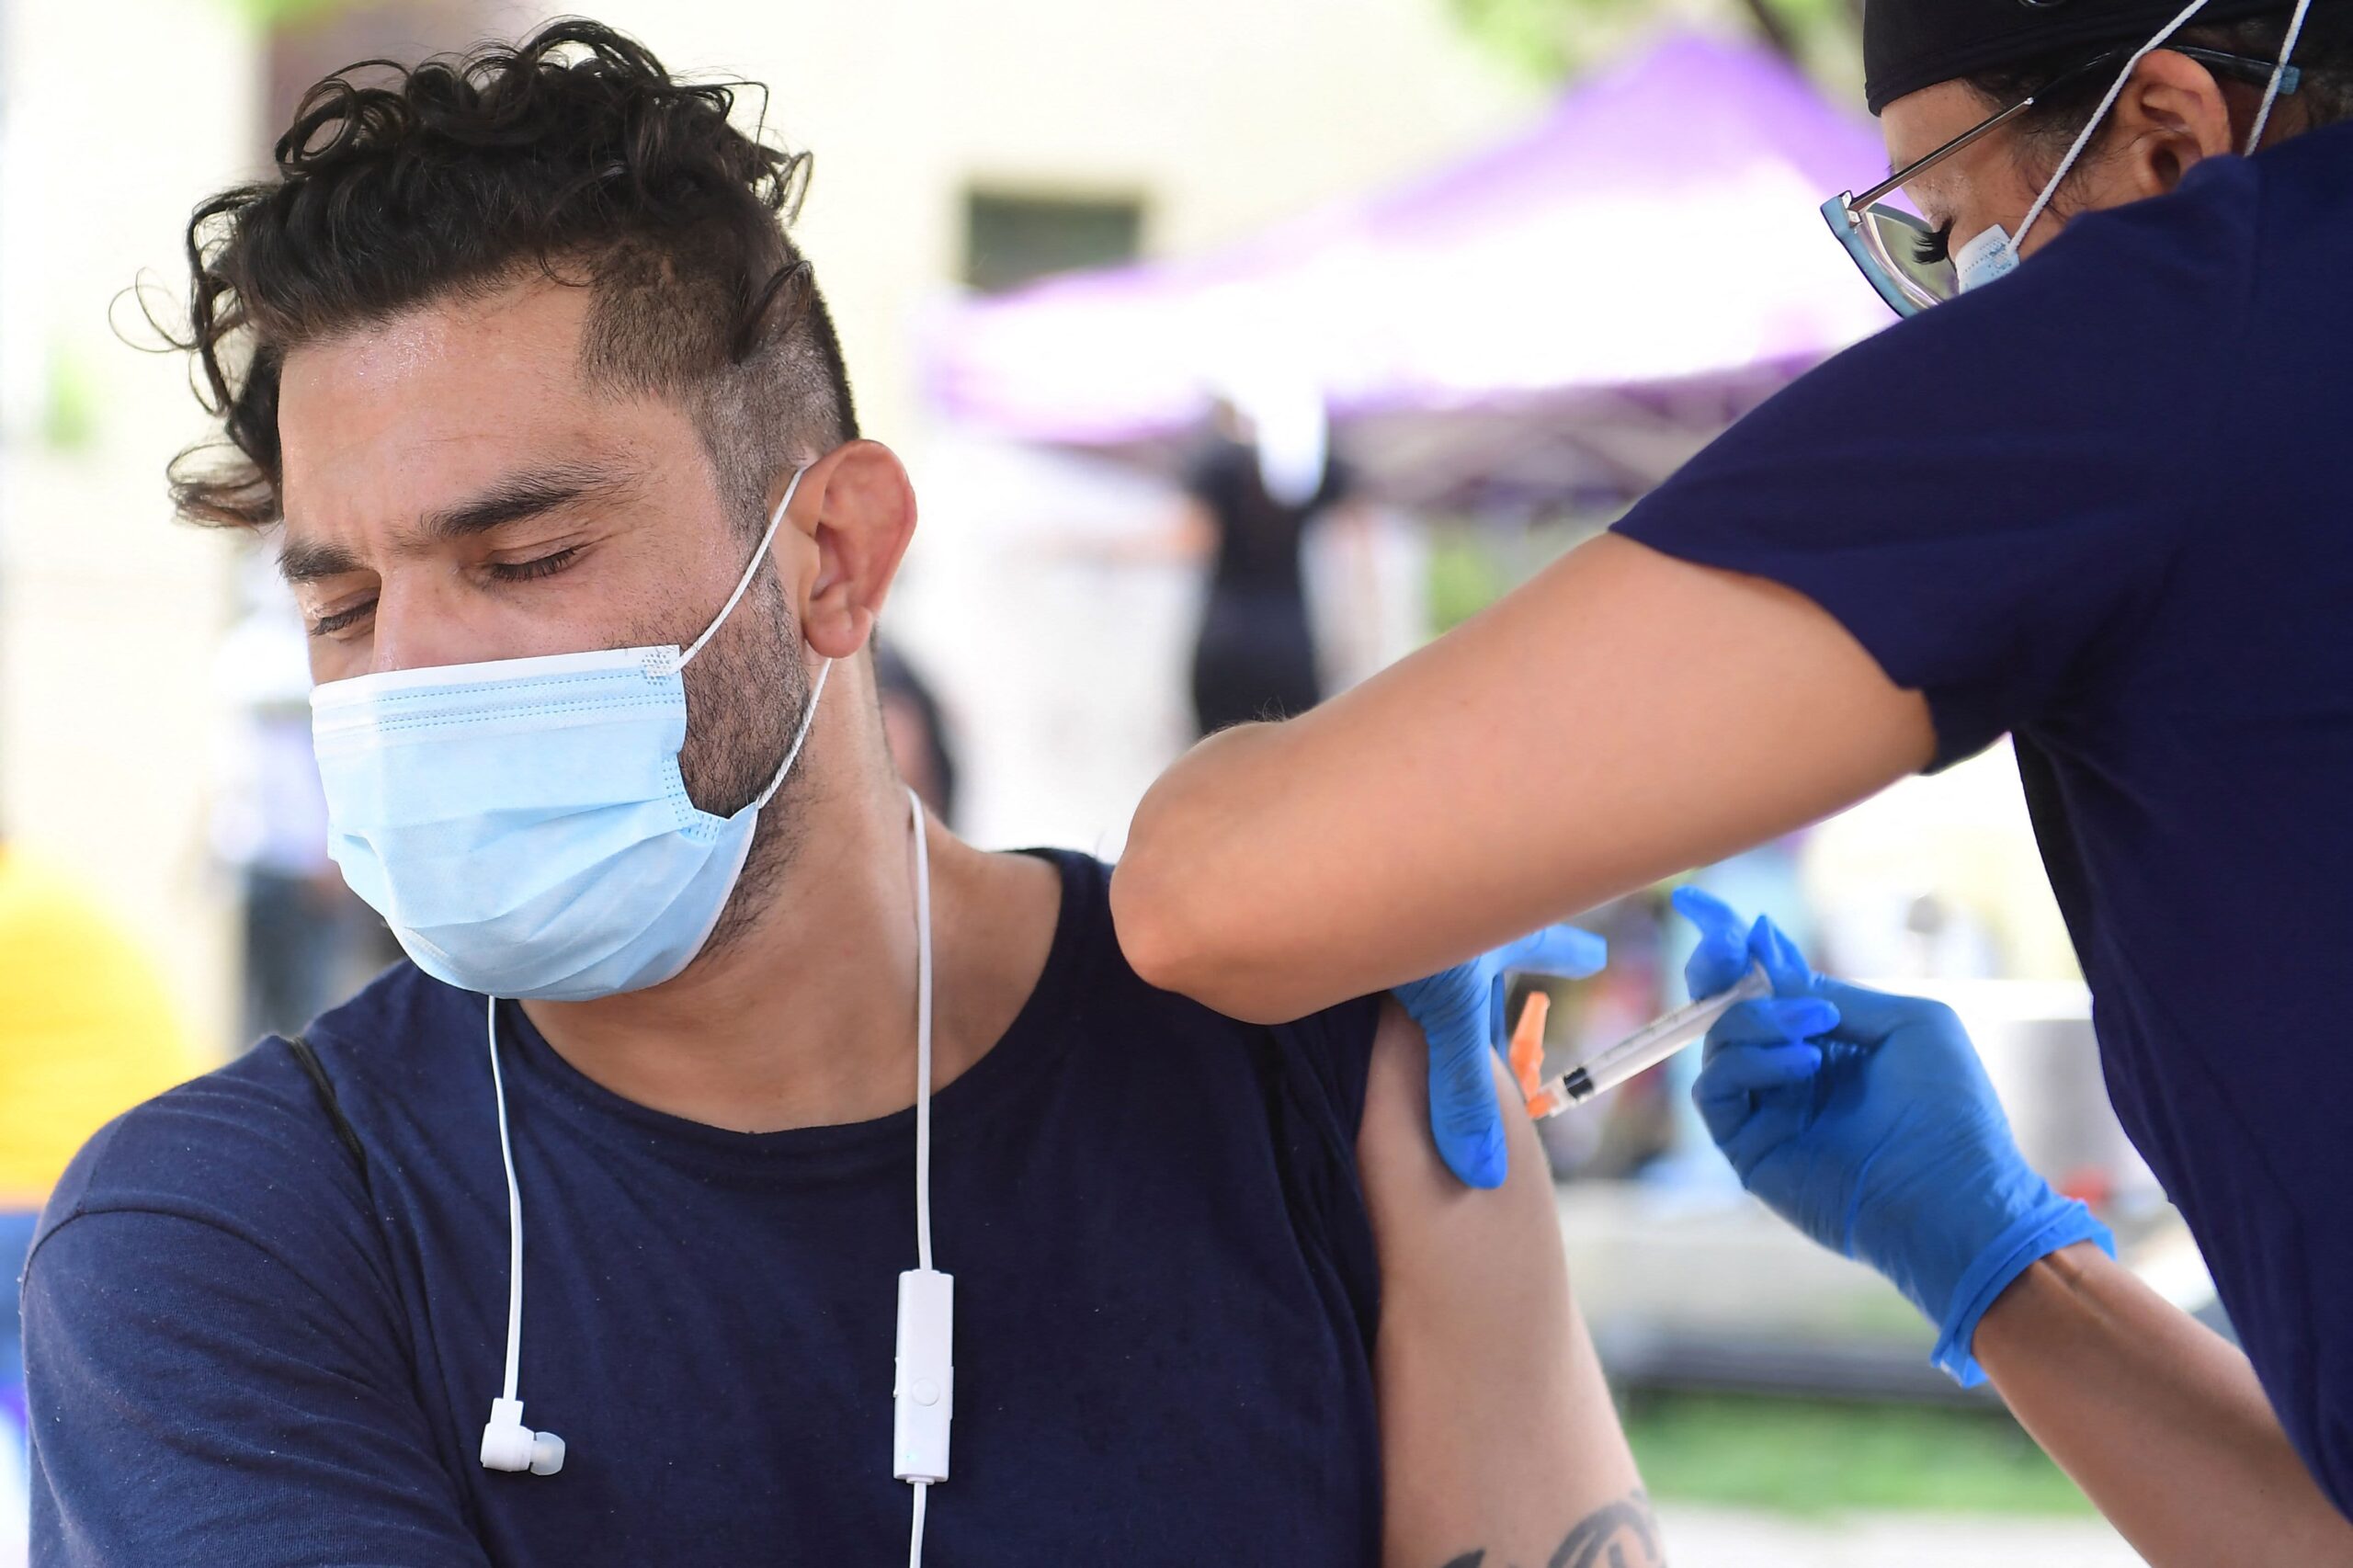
1461 1012
1867 1121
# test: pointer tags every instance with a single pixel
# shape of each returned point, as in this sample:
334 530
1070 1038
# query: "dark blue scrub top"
249 1350
2106 505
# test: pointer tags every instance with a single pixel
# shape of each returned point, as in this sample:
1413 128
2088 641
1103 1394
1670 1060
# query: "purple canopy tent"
1571 312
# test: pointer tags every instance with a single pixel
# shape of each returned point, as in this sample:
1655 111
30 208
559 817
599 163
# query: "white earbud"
508 1444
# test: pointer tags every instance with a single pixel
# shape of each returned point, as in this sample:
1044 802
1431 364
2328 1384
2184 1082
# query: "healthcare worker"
2098 502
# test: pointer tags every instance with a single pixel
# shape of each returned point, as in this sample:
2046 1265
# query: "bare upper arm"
1623 717
1499 1442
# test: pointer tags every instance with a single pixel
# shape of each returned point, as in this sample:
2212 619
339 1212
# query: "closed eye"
341 619
1928 249
546 566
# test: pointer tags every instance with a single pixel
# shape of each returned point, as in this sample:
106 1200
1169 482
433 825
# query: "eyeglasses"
1907 262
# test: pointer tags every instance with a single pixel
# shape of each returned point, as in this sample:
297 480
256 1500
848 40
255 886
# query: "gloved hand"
1867 1121
1461 1012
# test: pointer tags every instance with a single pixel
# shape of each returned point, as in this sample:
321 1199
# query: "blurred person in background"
1264 474
2097 503
916 729
515 355
308 941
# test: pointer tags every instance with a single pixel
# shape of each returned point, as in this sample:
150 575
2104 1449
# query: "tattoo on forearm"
1623 1534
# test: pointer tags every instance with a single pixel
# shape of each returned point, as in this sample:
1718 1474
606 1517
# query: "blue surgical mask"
521 823
1989 256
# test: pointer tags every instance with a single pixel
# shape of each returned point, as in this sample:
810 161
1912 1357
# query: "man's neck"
808 1018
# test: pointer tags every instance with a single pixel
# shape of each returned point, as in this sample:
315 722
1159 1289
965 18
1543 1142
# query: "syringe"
1639 1052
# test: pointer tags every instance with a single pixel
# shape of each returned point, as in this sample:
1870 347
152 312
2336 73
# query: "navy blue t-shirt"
2106 505
251 1342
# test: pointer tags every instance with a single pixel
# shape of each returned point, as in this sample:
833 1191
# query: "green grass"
1818 1457
1466 574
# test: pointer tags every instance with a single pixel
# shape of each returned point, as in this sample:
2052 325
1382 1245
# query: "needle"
1639 1052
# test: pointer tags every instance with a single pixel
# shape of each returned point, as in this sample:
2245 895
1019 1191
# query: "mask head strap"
2091 126
2278 75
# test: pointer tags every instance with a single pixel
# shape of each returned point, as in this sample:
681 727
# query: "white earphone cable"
922 1047
514 1216
923 1155
923 1102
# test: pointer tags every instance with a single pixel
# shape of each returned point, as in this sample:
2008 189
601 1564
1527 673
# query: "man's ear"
2172 116
856 506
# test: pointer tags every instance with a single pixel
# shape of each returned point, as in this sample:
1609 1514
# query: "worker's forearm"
2159 1420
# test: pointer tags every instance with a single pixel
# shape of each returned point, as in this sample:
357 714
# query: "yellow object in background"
86 1027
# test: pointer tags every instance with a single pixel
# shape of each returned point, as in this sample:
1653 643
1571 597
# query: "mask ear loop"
808 714
2083 138
2278 75
776 520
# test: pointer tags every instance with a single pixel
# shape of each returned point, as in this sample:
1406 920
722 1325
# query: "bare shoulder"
1496 1253
1021 891
1499 1441
996 915
1394 1149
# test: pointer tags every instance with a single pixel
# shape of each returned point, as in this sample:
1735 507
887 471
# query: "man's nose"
419 625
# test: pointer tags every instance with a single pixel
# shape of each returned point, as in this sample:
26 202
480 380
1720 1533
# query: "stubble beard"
746 694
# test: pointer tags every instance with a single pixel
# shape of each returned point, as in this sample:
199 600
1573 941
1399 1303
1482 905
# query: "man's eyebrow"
300 564
511 500
522 495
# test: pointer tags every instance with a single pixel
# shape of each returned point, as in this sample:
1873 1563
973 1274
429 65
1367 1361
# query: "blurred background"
1237 347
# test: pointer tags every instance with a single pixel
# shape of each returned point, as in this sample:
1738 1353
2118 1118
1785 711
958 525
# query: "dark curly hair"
574 153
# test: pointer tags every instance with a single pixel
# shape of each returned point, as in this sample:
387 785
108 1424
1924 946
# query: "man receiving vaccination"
513 353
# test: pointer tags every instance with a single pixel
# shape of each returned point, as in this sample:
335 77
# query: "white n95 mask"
521 823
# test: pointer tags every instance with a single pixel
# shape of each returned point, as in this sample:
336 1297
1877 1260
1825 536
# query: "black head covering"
1912 44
